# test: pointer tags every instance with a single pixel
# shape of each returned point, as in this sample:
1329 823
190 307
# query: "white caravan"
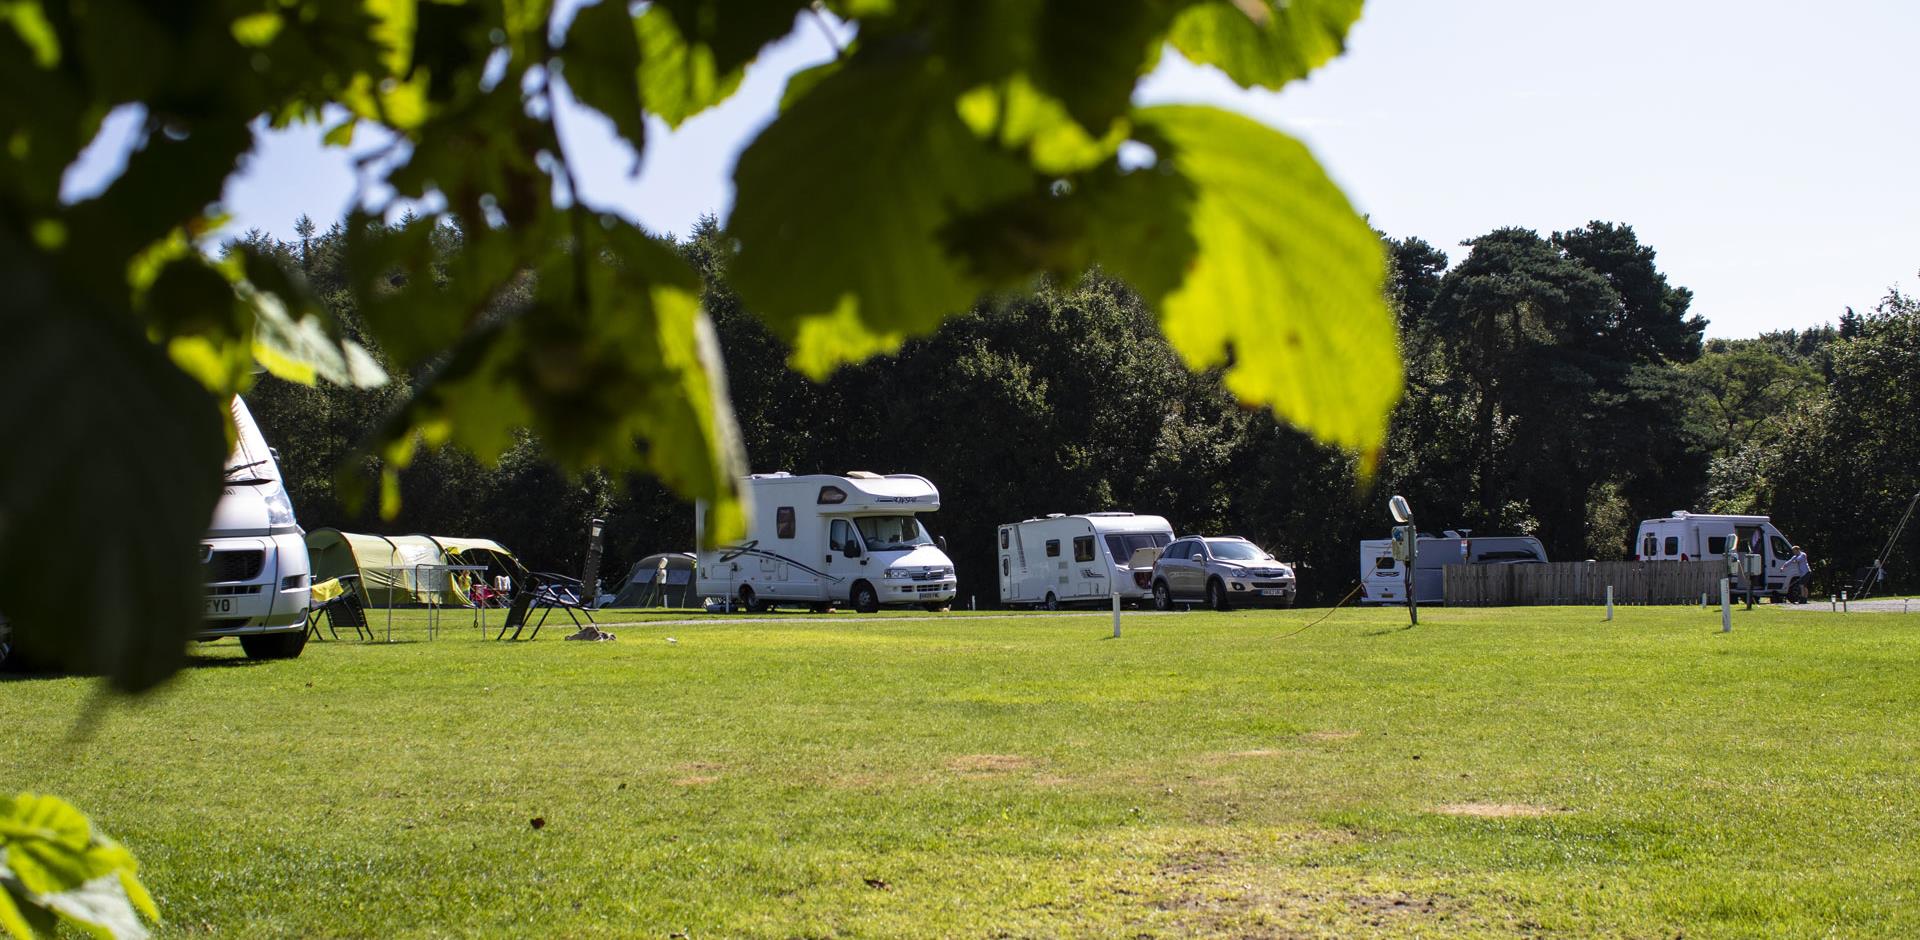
1687 536
1383 578
255 553
1060 560
821 540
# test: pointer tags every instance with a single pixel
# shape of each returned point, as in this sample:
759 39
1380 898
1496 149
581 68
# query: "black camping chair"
548 592
344 609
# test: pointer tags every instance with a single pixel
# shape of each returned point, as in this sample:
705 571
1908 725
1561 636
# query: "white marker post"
1609 602
1843 602
1116 615
1726 606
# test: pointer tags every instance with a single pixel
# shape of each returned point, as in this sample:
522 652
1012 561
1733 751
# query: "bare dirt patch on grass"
1247 891
1331 735
696 774
986 764
1497 810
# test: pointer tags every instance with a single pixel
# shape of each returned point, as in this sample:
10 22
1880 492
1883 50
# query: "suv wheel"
274 645
1162 598
1217 595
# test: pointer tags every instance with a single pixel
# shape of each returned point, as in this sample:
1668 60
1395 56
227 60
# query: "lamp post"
1410 542
590 579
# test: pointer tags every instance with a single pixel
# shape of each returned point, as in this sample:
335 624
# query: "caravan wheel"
1053 603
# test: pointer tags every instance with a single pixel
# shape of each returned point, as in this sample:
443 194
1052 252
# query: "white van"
1383 578
1060 560
821 540
255 553
1689 536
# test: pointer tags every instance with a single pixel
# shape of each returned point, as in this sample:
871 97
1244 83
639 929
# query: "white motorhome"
821 540
1060 560
1689 536
1383 578
255 553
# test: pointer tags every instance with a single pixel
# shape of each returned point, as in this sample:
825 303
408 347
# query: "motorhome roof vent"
1056 515
862 475
1681 514
1110 514
770 476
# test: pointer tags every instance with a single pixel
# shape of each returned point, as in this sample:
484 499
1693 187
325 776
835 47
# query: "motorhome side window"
1673 545
783 522
1083 548
840 536
1716 545
1646 547
1781 548
831 495
1053 548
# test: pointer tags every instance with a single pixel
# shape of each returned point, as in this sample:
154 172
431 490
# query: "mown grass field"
1491 773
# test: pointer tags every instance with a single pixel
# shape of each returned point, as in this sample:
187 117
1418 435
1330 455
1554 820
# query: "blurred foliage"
952 148
56 869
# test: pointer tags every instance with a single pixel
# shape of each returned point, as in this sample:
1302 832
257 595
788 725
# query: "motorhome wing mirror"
1401 512
941 541
851 550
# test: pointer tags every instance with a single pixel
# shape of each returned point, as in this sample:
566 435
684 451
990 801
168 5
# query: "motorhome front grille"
932 574
232 590
243 565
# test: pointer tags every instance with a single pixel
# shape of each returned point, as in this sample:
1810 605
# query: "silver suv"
1222 572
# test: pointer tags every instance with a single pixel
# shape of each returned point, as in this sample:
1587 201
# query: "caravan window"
1647 546
783 522
1122 545
1053 548
1384 563
1716 545
1673 545
1083 548
1003 538
841 536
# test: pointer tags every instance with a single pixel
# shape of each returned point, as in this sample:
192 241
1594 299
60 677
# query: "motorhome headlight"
899 572
279 508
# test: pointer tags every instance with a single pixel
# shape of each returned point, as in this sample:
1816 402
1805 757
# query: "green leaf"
840 205
295 337
12 919
678 79
734 29
29 19
1264 43
1018 116
125 470
1286 286
602 59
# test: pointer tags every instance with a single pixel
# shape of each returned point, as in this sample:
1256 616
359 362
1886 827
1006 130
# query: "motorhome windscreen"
1122 545
1237 551
891 533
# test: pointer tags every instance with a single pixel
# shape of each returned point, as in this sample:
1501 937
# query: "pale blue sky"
1765 149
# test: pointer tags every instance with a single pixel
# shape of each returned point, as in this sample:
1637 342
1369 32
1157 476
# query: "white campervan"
1686 536
1383 578
255 553
1060 559
821 539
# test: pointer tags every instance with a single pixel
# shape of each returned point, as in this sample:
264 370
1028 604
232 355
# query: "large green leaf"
53 863
839 208
1285 287
678 78
113 483
1265 43
734 30
602 58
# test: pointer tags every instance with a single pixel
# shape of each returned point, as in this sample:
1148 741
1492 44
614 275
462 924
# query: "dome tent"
640 590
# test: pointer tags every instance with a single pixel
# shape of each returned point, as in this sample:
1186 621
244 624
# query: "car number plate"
219 605
1273 592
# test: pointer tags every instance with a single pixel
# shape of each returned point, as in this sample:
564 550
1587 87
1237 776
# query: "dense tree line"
1557 386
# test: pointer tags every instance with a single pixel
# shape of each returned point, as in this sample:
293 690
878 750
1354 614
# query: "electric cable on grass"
1342 603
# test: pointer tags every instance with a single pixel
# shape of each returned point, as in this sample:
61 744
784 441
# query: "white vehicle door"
1092 574
843 557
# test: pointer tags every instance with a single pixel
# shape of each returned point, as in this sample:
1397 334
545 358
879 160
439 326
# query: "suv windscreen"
1237 551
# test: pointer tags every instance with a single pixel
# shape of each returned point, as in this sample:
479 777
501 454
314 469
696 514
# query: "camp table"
433 603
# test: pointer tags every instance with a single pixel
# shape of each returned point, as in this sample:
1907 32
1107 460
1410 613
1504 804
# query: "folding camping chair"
549 592
341 606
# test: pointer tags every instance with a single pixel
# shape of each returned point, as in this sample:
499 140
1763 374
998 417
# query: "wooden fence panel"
1582 582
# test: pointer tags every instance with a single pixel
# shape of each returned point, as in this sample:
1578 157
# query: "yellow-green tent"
389 567
498 560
